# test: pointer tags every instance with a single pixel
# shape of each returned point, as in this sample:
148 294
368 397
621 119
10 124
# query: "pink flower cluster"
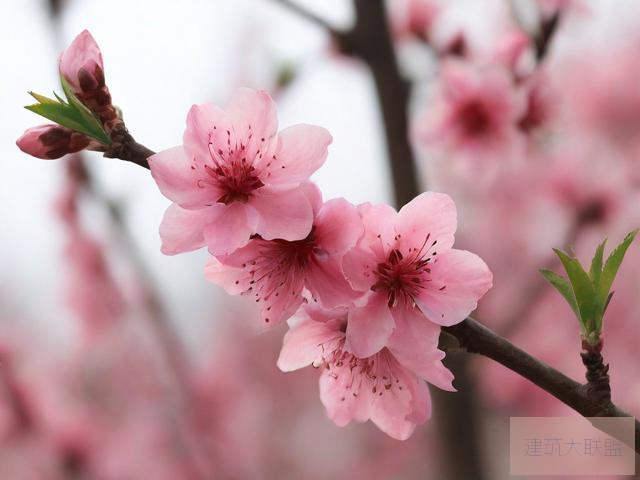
371 286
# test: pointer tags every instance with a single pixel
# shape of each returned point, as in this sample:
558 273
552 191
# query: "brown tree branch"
370 39
476 338
126 148
542 40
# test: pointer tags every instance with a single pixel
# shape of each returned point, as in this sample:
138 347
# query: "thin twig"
542 40
308 15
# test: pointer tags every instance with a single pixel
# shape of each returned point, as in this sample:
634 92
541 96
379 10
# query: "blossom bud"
51 141
81 66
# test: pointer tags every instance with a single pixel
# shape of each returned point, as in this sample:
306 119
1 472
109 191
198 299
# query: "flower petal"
303 344
379 232
326 282
337 397
182 230
337 226
231 229
287 215
415 344
431 215
209 130
178 179
301 150
358 266
393 409
458 280
369 327
254 118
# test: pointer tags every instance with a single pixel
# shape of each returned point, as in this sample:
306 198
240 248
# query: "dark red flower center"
474 118
231 172
401 277
278 269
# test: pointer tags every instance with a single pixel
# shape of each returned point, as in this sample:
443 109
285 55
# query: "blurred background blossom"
119 362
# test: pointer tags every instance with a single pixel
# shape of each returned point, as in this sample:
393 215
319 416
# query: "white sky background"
161 57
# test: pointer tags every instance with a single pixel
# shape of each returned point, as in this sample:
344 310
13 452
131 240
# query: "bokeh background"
120 363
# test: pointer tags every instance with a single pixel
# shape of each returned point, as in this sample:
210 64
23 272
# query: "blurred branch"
476 338
370 40
547 29
542 40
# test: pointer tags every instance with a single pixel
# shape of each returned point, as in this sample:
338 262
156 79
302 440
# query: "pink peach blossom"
511 48
475 112
51 141
276 272
586 188
378 387
541 103
235 176
406 264
602 100
414 18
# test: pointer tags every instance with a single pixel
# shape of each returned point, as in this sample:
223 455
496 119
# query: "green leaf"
562 285
42 99
74 116
61 114
61 100
89 118
596 264
611 267
606 304
582 288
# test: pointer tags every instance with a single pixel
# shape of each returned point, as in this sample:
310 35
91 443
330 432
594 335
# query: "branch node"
126 148
598 387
